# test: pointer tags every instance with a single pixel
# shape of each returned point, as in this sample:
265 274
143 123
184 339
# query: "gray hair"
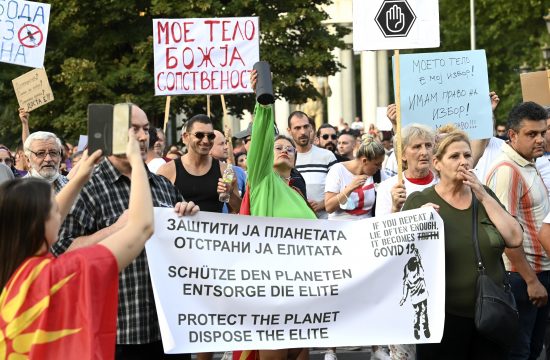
415 131
40 135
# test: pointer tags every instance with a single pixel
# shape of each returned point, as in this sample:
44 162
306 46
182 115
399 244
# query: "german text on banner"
229 282
447 87
395 24
23 32
204 56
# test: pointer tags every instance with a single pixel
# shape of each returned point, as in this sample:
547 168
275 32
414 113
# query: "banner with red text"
229 282
205 55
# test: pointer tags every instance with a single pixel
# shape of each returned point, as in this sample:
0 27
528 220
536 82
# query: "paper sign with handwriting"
33 89
447 87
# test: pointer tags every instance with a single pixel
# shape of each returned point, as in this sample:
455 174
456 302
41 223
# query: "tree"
511 32
102 51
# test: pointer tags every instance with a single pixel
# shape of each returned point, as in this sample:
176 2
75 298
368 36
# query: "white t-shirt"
543 166
360 200
314 166
155 164
487 160
390 165
383 197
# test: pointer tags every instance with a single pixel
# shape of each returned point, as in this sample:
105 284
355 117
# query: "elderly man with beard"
101 210
43 152
328 139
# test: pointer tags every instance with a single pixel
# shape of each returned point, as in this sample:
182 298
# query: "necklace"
287 179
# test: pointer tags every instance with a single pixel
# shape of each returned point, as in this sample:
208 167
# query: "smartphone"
100 128
108 128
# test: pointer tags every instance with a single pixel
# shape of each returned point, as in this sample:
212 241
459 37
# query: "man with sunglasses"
197 175
328 139
43 153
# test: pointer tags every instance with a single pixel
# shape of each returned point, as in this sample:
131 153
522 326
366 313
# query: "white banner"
232 282
395 24
23 32
205 56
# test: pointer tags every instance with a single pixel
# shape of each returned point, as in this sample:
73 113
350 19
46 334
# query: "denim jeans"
532 320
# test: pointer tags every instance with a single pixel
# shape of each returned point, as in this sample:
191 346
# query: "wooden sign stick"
398 150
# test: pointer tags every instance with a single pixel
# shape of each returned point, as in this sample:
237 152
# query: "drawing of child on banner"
414 287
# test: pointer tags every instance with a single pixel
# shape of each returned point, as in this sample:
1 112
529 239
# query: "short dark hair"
153 137
25 206
299 114
529 111
326 126
201 118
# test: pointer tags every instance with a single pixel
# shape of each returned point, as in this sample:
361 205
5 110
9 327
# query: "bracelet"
339 202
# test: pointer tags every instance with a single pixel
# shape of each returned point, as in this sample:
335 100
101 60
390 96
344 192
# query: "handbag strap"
479 260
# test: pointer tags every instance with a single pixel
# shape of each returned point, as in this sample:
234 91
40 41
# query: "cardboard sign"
382 121
23 32
226 281
447 87
204 56
395 24
33 89
535 86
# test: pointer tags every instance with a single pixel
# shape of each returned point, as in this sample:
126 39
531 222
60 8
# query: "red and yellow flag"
61 308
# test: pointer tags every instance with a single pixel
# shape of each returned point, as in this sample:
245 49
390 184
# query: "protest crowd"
74 223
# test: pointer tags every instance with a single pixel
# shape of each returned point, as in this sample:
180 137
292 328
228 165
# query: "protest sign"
448 87
225 282
33 89
395 24
535 86
204 56
23 30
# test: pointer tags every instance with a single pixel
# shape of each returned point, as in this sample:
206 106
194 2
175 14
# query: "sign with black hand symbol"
395 24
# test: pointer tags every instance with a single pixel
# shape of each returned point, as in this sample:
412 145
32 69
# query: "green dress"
460 260
269 194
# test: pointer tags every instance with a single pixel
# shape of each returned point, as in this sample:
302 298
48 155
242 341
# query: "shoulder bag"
496 316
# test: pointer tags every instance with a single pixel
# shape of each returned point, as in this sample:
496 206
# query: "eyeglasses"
200 135
288 149
326 136
42 154
7 161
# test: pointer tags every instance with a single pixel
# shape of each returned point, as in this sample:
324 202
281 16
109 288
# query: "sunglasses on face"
288 149
7 161
245 140
326 136
200 135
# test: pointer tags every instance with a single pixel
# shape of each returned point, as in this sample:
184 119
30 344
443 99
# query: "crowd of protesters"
66 212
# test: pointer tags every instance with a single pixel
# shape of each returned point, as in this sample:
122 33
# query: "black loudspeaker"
264 86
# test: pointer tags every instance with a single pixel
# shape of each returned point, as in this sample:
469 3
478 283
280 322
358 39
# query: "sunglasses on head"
326 136
200 135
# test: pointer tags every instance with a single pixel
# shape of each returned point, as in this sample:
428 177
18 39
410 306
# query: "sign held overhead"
204 56
23 29
395 24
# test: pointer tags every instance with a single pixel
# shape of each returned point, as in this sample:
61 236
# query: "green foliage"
511 32
102 51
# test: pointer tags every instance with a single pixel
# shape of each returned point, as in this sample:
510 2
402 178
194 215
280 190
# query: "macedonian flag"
61 308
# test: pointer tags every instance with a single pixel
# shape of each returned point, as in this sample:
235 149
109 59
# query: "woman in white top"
349 186
417 144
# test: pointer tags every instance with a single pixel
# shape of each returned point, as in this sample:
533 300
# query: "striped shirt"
520 188
314 166
99 205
